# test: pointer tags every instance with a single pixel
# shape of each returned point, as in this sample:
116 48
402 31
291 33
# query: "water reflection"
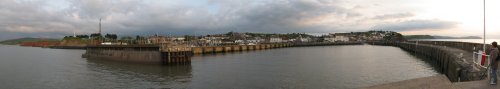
317 67
153 76
321 67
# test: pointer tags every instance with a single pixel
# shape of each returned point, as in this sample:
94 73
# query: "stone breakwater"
237 48
168 55
453 59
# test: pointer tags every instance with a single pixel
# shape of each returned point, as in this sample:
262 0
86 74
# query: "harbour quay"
143 54
166 54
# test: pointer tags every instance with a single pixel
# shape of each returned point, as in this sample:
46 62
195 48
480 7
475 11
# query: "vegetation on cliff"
27 39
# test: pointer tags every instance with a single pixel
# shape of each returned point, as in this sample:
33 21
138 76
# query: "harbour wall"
453 59
143 57
158 54
141 54
237 48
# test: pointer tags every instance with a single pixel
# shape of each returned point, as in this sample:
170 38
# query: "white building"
239 41
336 38
179 38
275 40
253 41
341 38
329 39
304 39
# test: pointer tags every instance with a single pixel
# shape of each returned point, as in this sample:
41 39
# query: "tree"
95 35
68 37
393 36
83 36
111 36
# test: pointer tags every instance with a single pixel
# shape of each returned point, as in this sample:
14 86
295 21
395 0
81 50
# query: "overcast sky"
57 18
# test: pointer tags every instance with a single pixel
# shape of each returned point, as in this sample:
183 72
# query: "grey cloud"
141 17
283 16
394 16
268 16
412 25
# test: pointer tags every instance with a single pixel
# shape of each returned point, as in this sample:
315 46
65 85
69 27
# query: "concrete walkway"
441 81
432 82
435 82
482 84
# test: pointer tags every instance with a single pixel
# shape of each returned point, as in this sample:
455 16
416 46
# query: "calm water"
299 67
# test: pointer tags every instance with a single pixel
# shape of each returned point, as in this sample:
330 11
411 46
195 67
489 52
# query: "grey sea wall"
453 59
132 56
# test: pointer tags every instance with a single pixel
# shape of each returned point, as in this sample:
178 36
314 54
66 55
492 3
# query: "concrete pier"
432 82
435 82
251 47
482 84
244 48
144 54
171 54
237 48
453 59
455 63
197 50
218 49
257 47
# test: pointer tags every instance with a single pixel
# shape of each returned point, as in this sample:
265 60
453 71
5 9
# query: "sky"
59 18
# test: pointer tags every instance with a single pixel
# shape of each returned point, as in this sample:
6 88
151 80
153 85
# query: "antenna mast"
100 25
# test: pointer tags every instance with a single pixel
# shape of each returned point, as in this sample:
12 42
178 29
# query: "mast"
100 25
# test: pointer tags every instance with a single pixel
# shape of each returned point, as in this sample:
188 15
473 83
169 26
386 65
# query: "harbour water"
317 67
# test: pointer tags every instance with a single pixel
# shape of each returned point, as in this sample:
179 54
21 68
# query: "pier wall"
161 54
449 58
126 55
459 45
142 54
237 48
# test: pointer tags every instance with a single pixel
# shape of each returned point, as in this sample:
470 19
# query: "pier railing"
477 59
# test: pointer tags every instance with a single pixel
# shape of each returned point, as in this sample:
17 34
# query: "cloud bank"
57 18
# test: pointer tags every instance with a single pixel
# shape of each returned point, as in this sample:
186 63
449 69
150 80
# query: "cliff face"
70 43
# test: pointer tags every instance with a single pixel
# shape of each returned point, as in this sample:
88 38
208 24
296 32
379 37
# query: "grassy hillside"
27 39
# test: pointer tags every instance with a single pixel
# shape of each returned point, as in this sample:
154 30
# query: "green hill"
27 39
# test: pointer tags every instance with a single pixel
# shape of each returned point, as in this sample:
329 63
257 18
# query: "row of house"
357 36
233 38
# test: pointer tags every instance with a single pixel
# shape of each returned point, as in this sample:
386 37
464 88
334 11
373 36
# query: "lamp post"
484 25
